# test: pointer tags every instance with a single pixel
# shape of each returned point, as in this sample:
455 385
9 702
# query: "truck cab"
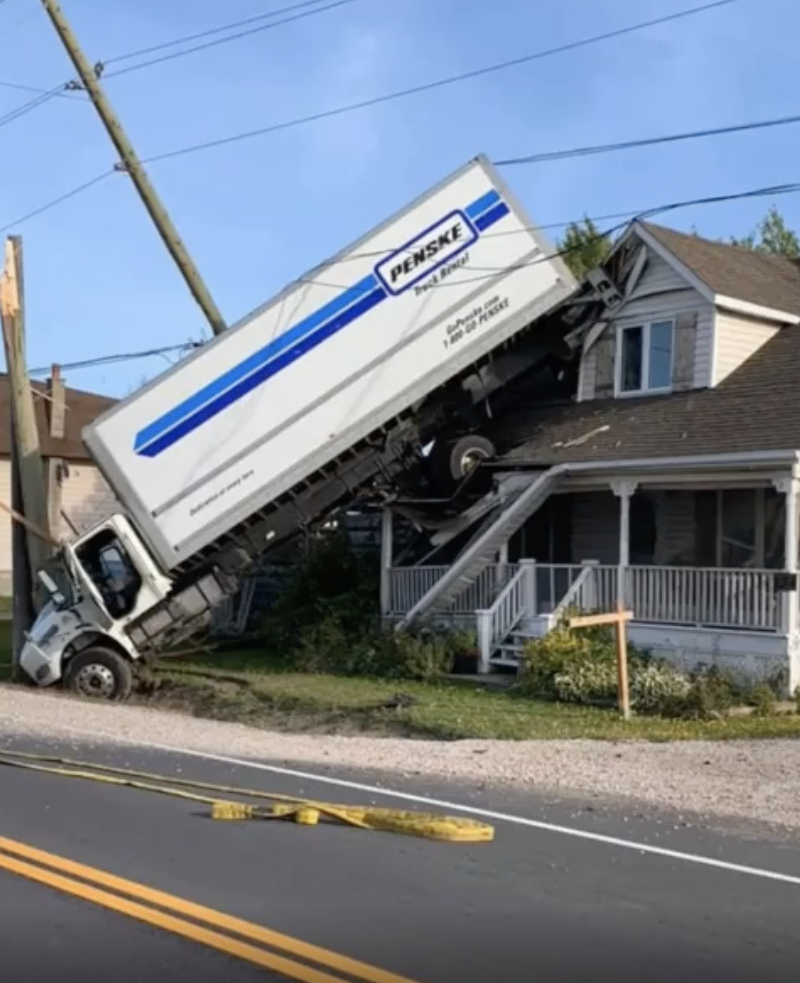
96 588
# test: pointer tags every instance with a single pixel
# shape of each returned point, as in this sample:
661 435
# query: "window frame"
645 327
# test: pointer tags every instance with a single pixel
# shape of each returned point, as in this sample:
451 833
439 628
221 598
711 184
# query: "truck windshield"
111 570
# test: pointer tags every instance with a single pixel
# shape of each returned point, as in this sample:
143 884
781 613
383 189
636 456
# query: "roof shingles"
758 278
756 408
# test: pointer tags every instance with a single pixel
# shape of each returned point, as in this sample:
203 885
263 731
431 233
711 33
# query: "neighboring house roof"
82 408
756 408
758 278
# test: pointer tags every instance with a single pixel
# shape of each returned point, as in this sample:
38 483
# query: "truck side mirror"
51 587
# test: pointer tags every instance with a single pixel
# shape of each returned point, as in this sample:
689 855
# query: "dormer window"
644 361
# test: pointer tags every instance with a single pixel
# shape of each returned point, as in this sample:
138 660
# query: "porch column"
788 487
623 490
387 556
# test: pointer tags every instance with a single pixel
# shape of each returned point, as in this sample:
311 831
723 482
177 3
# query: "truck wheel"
453 460
467 453
99 673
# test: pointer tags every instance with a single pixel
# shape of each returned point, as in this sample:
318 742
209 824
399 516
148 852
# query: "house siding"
660 294
737 339
86 499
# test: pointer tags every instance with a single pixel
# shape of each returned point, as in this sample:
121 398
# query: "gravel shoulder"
754 781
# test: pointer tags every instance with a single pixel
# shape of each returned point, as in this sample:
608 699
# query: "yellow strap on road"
306 812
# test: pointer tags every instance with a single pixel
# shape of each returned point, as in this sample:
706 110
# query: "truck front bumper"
43 668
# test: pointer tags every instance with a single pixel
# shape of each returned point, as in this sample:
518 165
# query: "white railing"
693 596
581 595
699 596
515 601
407 585
553 582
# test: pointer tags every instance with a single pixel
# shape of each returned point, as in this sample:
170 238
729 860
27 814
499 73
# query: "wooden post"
28 456
23 612
619 619
132 166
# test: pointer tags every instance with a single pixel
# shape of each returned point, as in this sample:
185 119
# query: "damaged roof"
757 408
758 278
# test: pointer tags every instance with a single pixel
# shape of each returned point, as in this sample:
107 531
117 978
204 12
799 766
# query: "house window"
645 357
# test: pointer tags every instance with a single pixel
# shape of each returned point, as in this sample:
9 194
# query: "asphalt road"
536 903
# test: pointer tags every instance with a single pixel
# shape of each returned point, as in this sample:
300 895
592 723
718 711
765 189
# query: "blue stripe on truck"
287 348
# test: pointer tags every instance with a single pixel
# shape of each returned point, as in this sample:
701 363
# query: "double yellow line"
232 936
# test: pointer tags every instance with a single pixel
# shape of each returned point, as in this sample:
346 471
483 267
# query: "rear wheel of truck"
454 460
99 674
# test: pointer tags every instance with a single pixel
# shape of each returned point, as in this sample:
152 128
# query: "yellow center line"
216 919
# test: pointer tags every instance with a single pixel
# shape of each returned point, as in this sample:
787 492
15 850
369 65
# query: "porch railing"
700 596
409 584
513 602
687 596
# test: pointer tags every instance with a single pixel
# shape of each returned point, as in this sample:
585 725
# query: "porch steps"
483 548
511 651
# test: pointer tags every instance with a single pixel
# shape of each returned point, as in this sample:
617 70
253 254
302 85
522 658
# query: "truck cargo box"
343 350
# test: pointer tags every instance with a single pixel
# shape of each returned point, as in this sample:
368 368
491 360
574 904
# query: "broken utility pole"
131 164
26 456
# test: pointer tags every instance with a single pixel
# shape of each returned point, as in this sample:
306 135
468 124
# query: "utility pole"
26 459
22 590
89 77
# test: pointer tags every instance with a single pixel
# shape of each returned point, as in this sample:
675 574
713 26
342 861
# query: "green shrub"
658 687
712 693
328 647
574 665
586 682
328 581
763 701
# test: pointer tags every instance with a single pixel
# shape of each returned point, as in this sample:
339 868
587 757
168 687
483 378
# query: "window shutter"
604 365
685 341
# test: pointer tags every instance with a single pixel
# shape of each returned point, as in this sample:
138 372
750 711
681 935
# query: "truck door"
111 571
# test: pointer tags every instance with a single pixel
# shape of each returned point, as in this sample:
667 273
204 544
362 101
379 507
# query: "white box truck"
327 392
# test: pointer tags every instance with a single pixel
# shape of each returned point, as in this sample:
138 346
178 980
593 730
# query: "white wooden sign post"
619 619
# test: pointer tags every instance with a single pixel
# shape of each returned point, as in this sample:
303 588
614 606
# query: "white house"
667 478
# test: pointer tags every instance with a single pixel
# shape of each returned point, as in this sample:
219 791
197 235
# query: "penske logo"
424 254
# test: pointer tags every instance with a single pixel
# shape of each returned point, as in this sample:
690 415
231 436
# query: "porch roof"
757 408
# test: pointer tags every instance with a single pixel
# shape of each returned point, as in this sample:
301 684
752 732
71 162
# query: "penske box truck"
328 391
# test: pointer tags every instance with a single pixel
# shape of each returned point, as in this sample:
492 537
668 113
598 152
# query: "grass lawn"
250 689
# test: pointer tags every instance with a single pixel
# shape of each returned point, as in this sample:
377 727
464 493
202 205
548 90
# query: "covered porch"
705 557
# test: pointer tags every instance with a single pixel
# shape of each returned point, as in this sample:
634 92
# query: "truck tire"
99 673
453 461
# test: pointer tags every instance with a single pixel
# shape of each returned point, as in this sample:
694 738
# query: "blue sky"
258 213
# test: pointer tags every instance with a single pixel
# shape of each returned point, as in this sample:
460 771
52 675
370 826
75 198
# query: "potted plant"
466 653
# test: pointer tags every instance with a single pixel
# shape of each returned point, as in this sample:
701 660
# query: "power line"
218 30
607 148
640 215
30 105
441 83
19 87
186 39
491 272
57 201
91 363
